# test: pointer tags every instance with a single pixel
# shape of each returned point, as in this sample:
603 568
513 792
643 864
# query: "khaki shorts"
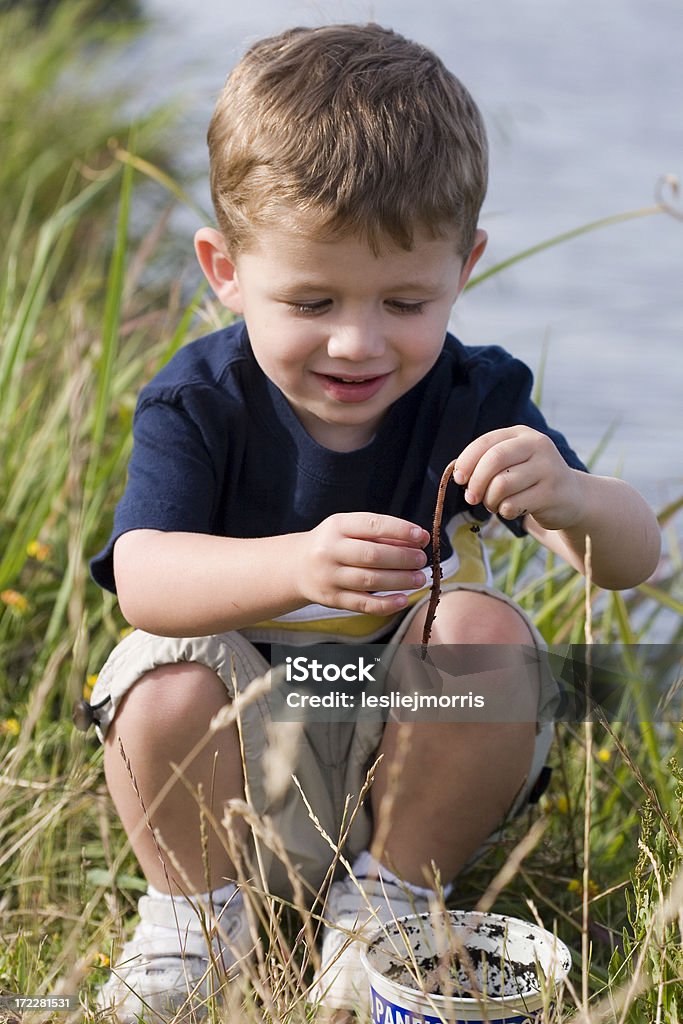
329 759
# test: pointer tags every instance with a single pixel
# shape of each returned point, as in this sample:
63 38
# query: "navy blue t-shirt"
218 450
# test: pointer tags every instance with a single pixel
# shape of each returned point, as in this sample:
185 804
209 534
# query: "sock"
219 897
216 899
366 866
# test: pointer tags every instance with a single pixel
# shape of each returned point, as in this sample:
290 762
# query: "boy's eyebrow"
403 287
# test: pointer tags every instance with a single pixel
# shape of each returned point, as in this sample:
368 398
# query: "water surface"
583 101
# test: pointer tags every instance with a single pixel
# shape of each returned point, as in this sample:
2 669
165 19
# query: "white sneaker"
165 967
353 911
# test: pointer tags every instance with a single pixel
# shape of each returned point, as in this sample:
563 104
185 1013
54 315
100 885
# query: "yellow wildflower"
576 885
604 755
545 804
100 960
88 686
562 804
13 599
39 550
125 631
10 727
550 803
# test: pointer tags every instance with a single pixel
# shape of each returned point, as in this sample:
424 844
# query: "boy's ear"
480 240
218 268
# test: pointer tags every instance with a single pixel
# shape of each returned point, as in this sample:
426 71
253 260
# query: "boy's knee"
473 617
484 641
184 695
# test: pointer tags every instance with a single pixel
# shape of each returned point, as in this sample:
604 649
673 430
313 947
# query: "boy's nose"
357 341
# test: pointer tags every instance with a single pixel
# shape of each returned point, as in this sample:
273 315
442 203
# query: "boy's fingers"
366 526
370 604
495 463
510 506
471 456
369 581
370 555
502 487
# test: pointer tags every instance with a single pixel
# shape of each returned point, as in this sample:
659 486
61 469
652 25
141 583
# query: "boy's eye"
322 305
406 307
309 308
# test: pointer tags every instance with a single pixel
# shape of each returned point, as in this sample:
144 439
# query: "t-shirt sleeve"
509 403
171 483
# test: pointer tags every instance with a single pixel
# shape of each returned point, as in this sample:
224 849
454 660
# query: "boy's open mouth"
352 389
350 380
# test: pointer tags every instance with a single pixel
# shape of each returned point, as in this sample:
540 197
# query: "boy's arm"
518 471
190 584
625 537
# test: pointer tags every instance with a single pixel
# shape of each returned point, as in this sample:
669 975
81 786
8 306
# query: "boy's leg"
441 788
475 768
156 698
272 750
158 724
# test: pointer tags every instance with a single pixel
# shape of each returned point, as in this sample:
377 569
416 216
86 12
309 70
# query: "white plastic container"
462 967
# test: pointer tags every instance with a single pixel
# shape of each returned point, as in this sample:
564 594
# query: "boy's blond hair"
356 128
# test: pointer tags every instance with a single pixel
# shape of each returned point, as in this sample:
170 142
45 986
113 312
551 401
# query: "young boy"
281 488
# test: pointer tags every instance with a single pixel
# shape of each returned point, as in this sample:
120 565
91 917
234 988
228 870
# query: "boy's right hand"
352 555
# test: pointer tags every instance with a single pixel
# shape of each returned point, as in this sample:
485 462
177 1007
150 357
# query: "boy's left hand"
517 471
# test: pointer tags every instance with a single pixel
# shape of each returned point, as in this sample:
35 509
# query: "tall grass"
81 331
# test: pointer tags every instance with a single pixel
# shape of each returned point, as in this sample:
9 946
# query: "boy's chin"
341 434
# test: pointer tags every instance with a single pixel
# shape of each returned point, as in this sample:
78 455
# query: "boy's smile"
343 333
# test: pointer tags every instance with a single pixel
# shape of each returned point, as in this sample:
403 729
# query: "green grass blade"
53 240
565 236
629 639
661 597
111 322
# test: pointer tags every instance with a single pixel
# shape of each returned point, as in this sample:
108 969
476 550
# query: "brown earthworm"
435 593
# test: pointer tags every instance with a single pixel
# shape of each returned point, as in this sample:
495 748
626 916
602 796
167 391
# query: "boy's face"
343 333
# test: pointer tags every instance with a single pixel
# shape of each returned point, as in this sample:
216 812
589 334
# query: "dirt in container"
494 976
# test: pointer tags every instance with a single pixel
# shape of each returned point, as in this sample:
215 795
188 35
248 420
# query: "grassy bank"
89 312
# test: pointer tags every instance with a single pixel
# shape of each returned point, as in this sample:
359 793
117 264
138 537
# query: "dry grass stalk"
588 791
620 1000
513 863
383 824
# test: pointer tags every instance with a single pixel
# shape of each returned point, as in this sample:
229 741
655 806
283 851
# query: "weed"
81 331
